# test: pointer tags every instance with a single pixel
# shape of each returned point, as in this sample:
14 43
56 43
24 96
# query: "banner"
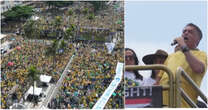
110 47
111 88
143 97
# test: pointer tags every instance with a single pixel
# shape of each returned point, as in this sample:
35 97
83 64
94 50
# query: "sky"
152 25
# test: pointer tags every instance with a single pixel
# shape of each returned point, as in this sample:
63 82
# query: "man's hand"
180 41
177 48
196 65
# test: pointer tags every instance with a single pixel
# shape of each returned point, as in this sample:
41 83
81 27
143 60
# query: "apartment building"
7 4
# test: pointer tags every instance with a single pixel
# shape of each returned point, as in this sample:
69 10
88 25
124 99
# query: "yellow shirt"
176 60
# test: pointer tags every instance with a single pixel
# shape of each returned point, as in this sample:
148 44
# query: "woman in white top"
132 78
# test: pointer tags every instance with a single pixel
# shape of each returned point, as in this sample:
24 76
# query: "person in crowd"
192 60
132 78
201 104
158 57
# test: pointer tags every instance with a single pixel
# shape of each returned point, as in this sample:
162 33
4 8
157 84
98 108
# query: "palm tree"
34 75
51 51
28 28
69 33
32 31
78 23
62 45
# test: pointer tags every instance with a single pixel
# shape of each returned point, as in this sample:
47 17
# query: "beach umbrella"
10 63
18 48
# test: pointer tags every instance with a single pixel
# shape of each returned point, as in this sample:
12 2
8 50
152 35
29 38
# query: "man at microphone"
191 59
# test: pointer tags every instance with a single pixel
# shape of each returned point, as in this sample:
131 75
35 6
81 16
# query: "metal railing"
180 92
169 87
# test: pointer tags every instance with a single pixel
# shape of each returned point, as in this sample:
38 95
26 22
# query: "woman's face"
129 58
159 60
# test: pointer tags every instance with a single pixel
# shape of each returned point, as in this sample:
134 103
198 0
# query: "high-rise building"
7 4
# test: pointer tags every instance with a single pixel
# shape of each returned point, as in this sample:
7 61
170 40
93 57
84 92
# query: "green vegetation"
58 4
63 45
34 75
86 10
31 29
91 16
98 5
70 32
18 13
70 12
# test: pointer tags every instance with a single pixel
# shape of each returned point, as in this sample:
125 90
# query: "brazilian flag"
114 94
119 21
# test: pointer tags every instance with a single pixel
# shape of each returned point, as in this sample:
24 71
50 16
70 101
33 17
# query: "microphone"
174 43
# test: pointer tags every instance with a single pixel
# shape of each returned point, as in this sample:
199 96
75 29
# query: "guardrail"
180 92
169 87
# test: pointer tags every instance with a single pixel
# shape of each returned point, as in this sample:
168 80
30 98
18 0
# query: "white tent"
35 18
45 78
2 36
36 92
17 106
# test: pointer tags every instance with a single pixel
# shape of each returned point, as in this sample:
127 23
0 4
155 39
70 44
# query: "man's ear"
198 41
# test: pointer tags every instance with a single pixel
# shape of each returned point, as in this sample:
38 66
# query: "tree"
91 16
28 28
63 45
58 4
77 11
58 21
98 5
18 13
51 51
86 10
34 75
70 12
31 29
69 33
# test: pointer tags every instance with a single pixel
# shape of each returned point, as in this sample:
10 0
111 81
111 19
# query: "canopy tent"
17 106
10 63
18 48
2 36
45 78
6 45
35 18
36 92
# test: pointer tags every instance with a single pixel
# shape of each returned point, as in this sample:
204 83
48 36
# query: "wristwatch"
184 49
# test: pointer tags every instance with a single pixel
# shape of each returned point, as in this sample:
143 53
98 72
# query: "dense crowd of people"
92 69
29 53
86 82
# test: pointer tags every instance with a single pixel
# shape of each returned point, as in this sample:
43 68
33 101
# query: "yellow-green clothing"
176 60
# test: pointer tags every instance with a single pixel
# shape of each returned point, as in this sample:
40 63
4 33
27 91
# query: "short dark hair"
197 29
